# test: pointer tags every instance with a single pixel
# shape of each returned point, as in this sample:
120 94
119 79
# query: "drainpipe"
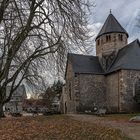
118 91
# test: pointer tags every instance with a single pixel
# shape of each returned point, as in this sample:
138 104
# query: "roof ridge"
127 48
82 54
135 41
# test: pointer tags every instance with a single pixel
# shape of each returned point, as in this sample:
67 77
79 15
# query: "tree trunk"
1 111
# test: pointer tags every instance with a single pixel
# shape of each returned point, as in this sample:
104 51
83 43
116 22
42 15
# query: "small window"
136 93
107 38
120 37
101 41
70 90
98 42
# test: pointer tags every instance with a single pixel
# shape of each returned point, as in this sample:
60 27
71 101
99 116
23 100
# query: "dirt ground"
55 127
132 130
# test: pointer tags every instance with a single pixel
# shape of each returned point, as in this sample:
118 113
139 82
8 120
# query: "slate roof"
85 64
111 25
127 58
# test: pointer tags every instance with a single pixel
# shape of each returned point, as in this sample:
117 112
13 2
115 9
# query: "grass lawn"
55 128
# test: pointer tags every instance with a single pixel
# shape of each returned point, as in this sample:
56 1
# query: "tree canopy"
36 34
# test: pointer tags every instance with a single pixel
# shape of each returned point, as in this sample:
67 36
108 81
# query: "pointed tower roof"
111 25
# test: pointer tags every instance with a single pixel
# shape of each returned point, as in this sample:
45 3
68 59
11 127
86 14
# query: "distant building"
15 105
31 105
109 80
41 105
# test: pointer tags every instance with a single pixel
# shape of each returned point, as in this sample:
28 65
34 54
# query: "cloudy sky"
126 11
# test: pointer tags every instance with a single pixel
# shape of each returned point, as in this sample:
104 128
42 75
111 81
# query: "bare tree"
32 34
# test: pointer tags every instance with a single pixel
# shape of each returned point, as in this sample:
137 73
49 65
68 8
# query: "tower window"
101 41
120 37
98 42
108 38
136 93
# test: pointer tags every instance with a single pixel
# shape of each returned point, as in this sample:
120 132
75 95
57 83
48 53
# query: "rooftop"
111 25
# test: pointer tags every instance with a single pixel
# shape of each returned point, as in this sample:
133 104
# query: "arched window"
136 93
107 38
70 90
98 42
120 37
101 41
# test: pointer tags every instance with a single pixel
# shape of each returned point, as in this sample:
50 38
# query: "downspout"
118 92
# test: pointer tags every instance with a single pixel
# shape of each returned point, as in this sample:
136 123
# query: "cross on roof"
110 11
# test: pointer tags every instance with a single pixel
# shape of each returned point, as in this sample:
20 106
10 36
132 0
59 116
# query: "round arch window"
137 91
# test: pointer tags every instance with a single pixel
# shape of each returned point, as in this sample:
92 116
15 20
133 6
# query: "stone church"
109 80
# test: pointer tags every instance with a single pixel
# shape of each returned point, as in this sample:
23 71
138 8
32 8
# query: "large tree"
32 32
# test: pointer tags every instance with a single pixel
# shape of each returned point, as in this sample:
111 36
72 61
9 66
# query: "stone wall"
68 99
127 91
92 92
120 91
113 44
112 92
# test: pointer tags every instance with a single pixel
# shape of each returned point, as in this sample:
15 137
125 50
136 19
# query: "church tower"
110 39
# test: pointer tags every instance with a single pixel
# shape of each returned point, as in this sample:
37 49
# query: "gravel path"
132 130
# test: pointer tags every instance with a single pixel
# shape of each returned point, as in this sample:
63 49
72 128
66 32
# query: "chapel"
109 80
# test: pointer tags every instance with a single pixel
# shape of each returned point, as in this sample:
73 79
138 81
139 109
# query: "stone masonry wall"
104 47
112 92
68 92
127 90
120 90
92 92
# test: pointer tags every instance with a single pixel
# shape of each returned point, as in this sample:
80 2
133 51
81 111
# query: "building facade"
109 80
15 105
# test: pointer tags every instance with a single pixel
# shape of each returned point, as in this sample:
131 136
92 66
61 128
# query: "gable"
85 64
127 58
69 70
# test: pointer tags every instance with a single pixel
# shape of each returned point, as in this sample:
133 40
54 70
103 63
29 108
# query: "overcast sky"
126 12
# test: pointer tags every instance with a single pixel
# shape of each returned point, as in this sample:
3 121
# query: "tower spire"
111 25
110 11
